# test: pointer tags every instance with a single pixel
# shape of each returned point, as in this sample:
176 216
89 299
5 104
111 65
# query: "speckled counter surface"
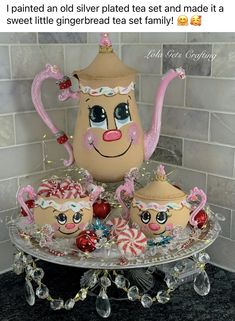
185 304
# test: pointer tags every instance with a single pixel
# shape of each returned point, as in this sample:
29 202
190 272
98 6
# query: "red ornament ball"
86 241
30 204
62 139
101 209
201 218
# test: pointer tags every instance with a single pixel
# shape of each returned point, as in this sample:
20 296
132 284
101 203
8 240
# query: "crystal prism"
69 304
120 281
42 291
146 301
57 304
93 280
103 307
180 267
203 258
18 268
37 274
105 281
29 293
133 293
172 282
201 283
163 297
82 294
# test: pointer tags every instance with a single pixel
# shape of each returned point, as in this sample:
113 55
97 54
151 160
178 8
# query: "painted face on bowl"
108 138
155 220
68 217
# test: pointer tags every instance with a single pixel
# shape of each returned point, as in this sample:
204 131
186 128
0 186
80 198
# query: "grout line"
212 62
10 61
225 208
234 164
8 210
185 88
14 127
209 128
183 152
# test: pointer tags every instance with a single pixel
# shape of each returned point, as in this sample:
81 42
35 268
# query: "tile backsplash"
198 122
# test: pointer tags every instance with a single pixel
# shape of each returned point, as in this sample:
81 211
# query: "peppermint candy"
118 225
131 242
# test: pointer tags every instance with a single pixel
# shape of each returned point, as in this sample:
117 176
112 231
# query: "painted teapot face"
68 217
108 138
155 219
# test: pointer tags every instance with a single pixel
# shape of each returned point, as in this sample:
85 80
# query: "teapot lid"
106 69
160 190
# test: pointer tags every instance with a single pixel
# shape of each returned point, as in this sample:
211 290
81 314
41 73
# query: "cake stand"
181 263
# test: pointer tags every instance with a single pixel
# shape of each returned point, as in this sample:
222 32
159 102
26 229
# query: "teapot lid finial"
161 173
105 43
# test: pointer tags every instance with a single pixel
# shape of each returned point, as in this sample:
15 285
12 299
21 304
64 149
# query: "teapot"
159 207
108 139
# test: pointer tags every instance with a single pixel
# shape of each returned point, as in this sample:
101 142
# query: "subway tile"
222 253
30 127
7 251
145 113
233 226
139 60
15 96
27 61
211 37
191 57
5 218
36 179
169 150
213 94
162 37
18 37
186 123
19 160
55 154
221 191
207 158
62 37
224 63
72 118
79 57
222 128
6 131
94 37
225 225
5 63
174 93
130 37
8 190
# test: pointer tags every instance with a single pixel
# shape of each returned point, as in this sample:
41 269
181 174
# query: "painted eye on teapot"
161 217
145 217
77 217
61 218
122 115
98 117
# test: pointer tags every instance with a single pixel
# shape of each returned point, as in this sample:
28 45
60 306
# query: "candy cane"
20 197
192 196
50 72
152 136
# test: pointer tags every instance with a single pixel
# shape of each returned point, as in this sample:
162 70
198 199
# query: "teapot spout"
151 138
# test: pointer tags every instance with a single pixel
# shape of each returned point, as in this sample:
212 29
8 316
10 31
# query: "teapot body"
108 138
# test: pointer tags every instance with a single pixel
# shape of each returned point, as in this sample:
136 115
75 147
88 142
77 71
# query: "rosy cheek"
134 133
56 226
169 227
89 139
82 226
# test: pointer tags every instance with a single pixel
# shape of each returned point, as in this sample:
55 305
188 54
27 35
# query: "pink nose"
111 135
154 226
70 226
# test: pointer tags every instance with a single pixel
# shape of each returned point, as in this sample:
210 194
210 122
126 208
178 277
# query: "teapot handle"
53 72
194 193
29 190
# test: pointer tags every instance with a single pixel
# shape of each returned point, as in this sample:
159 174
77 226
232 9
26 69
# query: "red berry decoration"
101 209
201 218
30 204
86 241
65 83
62 139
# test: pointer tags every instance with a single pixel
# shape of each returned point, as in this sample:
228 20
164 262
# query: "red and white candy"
118 225
131 242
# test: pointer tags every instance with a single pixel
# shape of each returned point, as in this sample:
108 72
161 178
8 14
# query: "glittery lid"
106 69
160 190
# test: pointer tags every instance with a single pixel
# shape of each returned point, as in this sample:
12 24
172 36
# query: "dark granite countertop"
185 304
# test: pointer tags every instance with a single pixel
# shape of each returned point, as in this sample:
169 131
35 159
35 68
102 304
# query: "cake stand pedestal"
135 277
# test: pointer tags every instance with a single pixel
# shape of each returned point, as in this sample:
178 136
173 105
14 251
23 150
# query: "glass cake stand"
134 276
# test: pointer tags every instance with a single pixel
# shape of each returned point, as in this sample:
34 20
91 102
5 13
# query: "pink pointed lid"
106 69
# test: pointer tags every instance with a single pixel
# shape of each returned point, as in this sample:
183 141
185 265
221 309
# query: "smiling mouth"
159 233
69 233
113 156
